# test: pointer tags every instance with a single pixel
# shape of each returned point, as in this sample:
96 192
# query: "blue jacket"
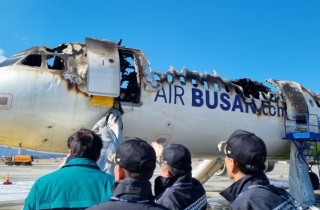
77 185
180 192
130 194
255 192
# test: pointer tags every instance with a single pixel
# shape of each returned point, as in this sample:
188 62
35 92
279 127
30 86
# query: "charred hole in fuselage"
236 89
250 87
227 89
32 60
58 49
129 85
55 62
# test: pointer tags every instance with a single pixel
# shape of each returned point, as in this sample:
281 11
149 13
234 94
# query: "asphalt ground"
22 177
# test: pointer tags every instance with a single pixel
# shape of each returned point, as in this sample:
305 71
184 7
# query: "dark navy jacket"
180 192
255 192
127 192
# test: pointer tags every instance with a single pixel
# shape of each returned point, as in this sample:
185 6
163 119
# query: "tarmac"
22 177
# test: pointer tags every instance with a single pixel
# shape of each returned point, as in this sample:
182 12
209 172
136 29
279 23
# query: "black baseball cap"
136 155
177 156
245 148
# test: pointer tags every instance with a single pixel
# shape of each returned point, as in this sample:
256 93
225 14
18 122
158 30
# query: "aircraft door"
103 76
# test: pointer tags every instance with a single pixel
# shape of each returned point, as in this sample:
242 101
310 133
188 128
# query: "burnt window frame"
32 66
54 56
123 54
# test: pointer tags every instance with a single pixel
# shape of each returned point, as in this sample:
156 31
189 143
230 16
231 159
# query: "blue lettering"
272 113
253 108
158 95
176 87
282 111
263 111
197 100
237 104
211 100
224 99
170 94
215 100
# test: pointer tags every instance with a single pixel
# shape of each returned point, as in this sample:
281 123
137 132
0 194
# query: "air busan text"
215 100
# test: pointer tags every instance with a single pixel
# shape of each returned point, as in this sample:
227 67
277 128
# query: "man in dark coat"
245 155
135 162
175 188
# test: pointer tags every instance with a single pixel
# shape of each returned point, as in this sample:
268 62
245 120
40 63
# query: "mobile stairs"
304 131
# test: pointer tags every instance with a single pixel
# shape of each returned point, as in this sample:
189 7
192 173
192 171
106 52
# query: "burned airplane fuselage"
44 99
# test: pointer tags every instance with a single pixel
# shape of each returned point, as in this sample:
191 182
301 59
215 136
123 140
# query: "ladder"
304 131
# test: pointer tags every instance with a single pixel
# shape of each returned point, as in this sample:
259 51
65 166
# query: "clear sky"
258 39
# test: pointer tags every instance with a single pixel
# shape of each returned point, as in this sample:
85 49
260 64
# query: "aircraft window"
194 83
216 86
129 86
318 104
311 102
206 85
10 61
32 60
169 78
156 77
227 89
182 80
55 62
3 100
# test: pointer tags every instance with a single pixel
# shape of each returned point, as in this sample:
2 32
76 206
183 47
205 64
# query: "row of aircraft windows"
54 62
217 87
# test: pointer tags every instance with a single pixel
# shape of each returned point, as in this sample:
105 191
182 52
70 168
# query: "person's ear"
233 165
167 172
119 173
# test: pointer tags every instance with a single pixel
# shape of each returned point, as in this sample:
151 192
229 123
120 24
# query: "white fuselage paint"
43 112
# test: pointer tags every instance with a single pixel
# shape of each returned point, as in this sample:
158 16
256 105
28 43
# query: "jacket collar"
133 189
162 183
79 161
231 193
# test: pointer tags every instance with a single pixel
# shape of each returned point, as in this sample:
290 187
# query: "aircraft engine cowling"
269 166
223 171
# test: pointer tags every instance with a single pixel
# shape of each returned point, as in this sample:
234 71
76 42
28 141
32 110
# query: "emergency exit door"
103 76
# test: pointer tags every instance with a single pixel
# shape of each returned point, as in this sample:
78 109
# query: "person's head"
136 159
245 154
176 159
86 144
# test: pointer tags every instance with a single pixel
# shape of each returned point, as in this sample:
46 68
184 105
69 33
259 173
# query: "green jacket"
77 185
